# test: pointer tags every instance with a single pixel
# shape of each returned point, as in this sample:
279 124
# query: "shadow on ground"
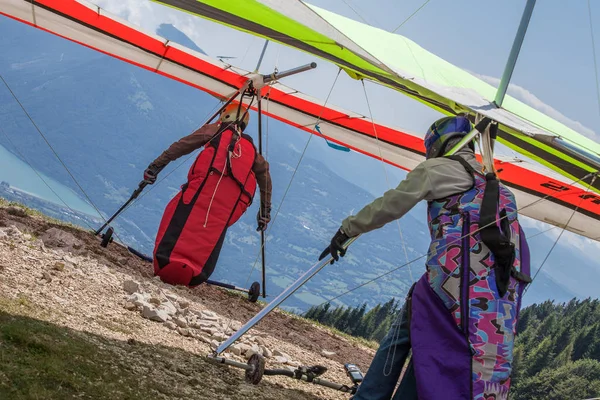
40 360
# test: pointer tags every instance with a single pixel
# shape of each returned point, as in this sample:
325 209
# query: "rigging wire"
347 2
387 179
594 54
51 148
40 176
287 189
594 175
410 16
564 228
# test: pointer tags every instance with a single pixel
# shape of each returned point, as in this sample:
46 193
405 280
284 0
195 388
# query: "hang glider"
367 52
541 195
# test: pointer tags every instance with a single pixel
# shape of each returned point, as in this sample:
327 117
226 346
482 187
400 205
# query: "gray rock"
172 297
139 299
55 237
131 286
327 354
207 324
180 322
211 331
183 303
12 231
235 349
281 360
16 211
183 331
154 314
219 336
130 306
277 353
266 352
168 307
250 353
208 315
171 325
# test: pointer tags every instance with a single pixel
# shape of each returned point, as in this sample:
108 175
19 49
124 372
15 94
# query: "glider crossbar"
312 271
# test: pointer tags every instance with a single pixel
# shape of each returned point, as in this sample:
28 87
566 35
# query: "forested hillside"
557 355
371 325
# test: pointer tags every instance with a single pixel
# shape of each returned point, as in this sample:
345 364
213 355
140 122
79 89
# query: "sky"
555 70
554 74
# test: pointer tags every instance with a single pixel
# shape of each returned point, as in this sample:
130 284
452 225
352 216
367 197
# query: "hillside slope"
69 326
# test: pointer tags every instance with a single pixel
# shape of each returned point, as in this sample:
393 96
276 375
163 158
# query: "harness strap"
496 236
231 148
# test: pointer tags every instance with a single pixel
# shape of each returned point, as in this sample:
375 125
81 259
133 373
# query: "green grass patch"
39 360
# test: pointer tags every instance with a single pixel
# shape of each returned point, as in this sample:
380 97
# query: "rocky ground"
160 334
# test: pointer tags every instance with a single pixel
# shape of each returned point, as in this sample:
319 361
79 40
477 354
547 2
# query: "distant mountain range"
107 120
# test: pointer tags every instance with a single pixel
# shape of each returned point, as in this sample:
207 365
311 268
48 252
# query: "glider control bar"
319 265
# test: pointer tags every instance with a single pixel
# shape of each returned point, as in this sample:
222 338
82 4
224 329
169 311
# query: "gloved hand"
263 217
151 173
335 247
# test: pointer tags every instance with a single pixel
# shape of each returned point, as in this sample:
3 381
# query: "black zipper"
464 275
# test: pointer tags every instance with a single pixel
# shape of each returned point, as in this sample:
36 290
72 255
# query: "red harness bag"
220 187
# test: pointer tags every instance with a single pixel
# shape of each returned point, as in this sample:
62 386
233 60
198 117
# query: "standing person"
220 187
460 318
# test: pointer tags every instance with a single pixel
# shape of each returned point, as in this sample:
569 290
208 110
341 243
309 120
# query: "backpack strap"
496 236
464 163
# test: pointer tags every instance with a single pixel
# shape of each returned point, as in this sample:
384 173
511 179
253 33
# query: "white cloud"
524 95
388 106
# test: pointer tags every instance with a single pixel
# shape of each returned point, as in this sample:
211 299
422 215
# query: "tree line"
556 355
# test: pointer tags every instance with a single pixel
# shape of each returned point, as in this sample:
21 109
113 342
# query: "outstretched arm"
392 205
186 145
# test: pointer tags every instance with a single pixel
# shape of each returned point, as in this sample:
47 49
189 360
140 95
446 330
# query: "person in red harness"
220 187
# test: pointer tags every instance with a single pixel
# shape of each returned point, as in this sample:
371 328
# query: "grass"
39 360
35 213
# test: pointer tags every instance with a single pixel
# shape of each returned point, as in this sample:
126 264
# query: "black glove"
263 217
151 173
335 247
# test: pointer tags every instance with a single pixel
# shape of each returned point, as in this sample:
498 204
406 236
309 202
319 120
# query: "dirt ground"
86 297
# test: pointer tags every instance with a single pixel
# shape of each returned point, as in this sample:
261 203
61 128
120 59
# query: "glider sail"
393 60
547 197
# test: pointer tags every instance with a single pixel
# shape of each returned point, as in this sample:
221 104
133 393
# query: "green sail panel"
368 52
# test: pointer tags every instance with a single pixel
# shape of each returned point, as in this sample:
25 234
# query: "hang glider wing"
547 198
393 60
